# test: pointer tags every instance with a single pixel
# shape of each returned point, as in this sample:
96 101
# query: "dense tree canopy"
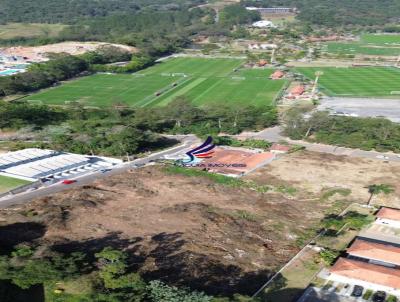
339 12
69 11
364 133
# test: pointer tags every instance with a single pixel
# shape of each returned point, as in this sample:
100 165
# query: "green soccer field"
354 48
369 44
203 81
381 39
357 81
8 183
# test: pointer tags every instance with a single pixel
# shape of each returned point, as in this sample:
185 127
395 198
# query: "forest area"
339 12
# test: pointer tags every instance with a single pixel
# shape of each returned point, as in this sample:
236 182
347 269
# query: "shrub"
391 298
329 256
367 294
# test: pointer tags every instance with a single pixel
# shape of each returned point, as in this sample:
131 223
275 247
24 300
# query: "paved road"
273 135
11 200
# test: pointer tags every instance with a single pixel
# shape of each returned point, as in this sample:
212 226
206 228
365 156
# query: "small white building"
389 217
264 24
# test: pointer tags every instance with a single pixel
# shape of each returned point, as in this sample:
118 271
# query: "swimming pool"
9 72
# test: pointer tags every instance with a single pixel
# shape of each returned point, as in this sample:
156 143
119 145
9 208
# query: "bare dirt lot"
39 53
317 172
192 231
185 230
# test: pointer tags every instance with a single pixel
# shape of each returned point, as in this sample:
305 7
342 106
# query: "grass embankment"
216 178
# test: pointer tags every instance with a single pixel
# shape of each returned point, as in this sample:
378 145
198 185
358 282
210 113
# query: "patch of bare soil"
39 53
317 172
184 230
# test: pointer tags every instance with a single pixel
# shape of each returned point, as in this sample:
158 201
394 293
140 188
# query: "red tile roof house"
371 276
389 217
277 75
375 252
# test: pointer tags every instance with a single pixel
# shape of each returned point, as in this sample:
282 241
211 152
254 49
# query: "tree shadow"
12 293
96 244
160 142
92 246
177 266
17 233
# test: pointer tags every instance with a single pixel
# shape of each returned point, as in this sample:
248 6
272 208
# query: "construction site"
193 231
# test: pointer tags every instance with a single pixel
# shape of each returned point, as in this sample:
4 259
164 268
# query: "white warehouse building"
264 24
36 164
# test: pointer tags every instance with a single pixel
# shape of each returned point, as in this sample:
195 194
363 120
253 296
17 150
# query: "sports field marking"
153 99
182 91
201 80
207 90
356 81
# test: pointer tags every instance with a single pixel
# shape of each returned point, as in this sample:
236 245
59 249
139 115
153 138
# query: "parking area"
333 291
362 107
314 294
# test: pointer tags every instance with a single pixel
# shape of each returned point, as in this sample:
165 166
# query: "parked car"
379 296
357 291
68 181
105 170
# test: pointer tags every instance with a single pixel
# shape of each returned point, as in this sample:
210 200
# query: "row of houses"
373 259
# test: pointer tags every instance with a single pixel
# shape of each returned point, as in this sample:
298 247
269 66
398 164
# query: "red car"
68 181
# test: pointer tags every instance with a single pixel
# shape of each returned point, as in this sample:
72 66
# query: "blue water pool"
8 72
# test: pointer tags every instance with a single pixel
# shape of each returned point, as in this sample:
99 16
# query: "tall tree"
376 189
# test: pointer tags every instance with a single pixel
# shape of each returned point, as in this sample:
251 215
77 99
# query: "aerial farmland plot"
202 81
357 81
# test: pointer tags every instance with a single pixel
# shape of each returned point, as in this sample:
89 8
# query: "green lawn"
8 183
357 81
369 44
381 39
203 81
355 48
196 67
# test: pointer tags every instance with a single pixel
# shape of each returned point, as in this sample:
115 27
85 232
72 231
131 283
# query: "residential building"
372 276
375 252
388 216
